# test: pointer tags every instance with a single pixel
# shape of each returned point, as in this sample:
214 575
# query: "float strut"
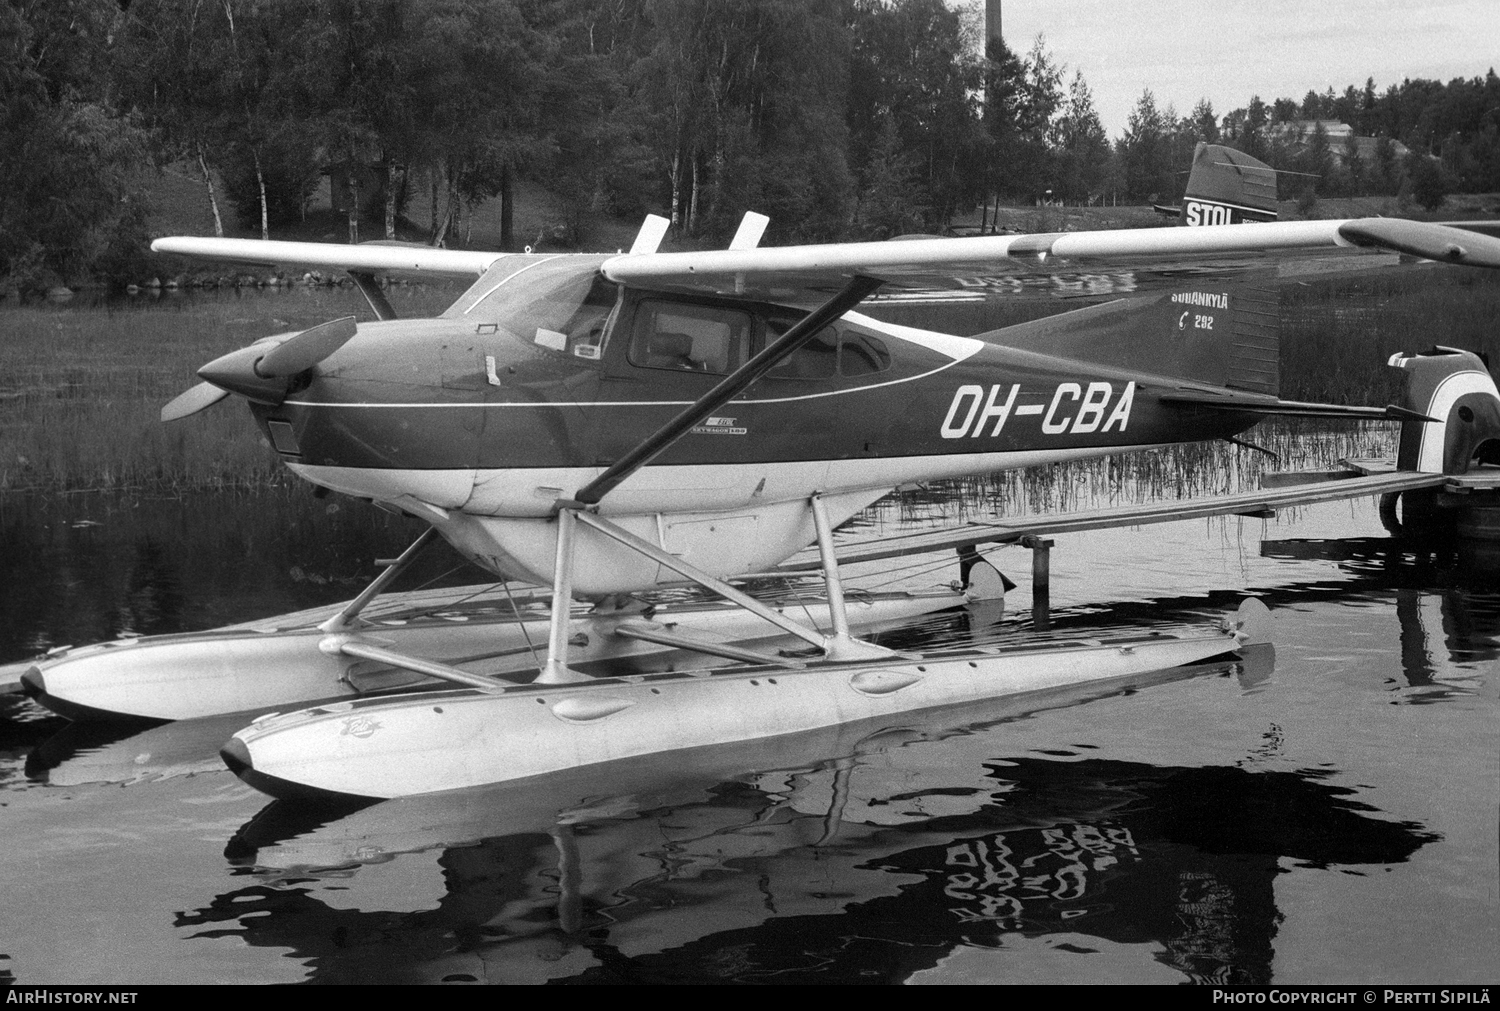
340 622
835 586
700 577
556 671
840 645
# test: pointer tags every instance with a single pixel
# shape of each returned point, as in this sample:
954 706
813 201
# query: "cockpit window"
696 338
561 303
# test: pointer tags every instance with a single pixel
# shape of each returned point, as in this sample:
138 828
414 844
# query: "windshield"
561 303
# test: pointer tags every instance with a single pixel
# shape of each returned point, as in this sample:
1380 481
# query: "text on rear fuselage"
1197 212
1207 299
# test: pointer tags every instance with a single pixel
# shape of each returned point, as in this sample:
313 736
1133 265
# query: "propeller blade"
192 401
306 349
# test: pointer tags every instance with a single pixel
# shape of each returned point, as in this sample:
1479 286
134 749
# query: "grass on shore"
81 391
1337 334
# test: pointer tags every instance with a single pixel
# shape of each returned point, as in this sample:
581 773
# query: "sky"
1228 50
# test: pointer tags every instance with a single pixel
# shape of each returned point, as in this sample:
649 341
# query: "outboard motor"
1455 389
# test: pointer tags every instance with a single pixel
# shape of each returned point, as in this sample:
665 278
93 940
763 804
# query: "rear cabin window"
861 354
839 349
817 359
692 338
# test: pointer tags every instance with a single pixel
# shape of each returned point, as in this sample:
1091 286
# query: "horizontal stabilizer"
1230 401
1012 529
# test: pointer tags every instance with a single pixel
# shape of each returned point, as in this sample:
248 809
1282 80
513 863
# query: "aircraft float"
609 426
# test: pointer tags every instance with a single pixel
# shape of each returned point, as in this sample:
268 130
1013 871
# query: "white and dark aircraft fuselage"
545 373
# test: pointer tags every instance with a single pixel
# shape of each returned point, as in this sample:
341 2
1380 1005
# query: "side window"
839 349
814 360
861 354
697 338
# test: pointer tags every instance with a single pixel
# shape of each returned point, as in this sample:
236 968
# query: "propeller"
192 401
262 375
306 349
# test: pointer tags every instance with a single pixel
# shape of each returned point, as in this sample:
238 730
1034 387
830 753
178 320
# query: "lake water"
1325 814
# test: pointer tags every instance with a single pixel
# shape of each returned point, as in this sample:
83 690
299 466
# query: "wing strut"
370 288
847 297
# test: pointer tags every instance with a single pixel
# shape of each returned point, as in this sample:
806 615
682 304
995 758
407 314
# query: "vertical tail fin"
1224 335
1226 187
1454 388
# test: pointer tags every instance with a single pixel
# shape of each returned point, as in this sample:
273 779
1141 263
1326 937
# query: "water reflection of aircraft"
612 424
865 867
1444 600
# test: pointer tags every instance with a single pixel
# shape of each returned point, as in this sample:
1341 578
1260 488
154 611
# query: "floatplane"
601 427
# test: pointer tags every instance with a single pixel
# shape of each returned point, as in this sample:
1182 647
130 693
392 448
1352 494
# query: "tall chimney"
991 21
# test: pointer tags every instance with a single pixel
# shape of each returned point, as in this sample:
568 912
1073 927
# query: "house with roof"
1296 134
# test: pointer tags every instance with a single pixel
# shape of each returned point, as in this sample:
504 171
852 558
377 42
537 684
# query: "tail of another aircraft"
1454 388
1226 187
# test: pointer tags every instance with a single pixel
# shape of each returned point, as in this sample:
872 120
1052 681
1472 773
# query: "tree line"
1451 133
838 118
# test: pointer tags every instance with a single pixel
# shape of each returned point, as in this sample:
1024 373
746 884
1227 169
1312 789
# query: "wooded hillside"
838 118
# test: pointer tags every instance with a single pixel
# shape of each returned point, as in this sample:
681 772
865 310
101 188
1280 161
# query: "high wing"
369 257
1154 257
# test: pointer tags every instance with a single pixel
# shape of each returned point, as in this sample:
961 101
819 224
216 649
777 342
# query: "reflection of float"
867 855
126 754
